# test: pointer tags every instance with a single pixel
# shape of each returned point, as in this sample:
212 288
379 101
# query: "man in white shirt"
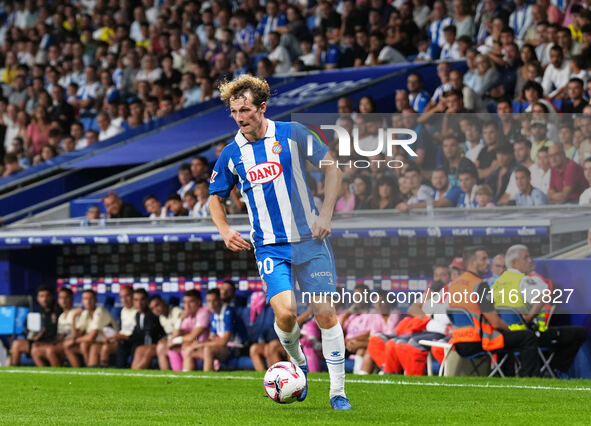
419 192
201 208
107 129
540 172
521 19
557 73
279 55
380 53
474 143
585 198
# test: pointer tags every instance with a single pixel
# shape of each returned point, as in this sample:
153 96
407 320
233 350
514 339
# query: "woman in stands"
37 132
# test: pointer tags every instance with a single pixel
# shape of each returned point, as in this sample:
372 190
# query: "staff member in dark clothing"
47 335
147 332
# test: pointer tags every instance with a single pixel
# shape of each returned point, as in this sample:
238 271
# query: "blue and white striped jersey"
271 175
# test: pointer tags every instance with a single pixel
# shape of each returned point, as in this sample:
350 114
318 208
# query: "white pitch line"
362 381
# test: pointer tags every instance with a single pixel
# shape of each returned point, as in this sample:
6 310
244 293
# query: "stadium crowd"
146 332
74 73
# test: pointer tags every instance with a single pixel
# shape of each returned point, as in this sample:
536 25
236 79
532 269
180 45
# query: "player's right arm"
231 237
222 181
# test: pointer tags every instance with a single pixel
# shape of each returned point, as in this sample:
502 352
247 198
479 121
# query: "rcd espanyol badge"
277 148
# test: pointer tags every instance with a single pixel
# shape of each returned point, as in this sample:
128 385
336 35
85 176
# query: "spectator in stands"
153 207
585 197
191 91
38 342
523 341
193 325
453 160
450 49
487 158
527 195
91 137
541 171
278 54
223 338
468 180
93 213
567 180
499 177
484 196
11 165
575 101
419 192
557 74
346 197
199 168
38 131
174 206
444 194
147 331
201 207
417 97
107 129
380 53
521 279
326 55
185 179
362 189
117 209
385 193
93 325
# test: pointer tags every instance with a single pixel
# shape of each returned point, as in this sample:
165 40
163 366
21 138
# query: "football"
284 382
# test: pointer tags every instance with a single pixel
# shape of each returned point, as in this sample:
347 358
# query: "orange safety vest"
482 331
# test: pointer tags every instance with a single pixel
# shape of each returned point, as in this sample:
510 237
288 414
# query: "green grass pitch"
66 396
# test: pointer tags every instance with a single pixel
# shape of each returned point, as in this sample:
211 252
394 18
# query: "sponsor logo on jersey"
264 172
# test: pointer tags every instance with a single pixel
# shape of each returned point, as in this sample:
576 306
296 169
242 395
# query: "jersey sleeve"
318 144
223 177
229 321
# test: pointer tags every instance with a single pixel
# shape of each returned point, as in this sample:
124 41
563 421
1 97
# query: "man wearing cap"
567 180
539 137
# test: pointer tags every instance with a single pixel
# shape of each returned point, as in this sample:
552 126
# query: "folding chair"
462 318
511 317
437 344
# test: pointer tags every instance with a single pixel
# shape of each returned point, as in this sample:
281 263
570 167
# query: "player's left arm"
332 183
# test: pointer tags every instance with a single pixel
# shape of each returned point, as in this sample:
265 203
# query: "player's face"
140 302
88 301
45 299
64 300
192 304
214 303
126 296
247 116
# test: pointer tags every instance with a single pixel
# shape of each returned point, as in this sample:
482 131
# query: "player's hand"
321 228
234 241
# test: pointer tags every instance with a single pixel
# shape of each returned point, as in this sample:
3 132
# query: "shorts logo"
213 175
320 274
277 148
264 172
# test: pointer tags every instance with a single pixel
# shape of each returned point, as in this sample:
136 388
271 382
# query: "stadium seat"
462 318
447 347
512 317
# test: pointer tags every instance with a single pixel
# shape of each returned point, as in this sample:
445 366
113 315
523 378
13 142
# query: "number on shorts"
265 266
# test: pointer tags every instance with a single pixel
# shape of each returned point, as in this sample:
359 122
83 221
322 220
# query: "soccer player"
266 161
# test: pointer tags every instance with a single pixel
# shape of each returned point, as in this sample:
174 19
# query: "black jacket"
151 331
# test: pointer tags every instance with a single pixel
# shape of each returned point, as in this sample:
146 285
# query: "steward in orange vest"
470 291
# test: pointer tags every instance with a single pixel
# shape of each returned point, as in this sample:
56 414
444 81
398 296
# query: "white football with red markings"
284 382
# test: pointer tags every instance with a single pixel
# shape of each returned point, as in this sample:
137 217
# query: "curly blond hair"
234 89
